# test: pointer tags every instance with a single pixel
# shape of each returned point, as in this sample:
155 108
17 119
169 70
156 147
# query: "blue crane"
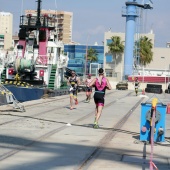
131 14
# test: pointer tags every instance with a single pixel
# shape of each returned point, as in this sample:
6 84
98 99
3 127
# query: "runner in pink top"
88 89
101 84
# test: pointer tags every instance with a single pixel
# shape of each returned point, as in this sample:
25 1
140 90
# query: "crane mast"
131 14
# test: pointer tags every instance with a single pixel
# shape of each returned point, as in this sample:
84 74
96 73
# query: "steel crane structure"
132 12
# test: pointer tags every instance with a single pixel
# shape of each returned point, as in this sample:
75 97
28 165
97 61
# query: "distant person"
101 83
136 83
88 89
169 86
73 81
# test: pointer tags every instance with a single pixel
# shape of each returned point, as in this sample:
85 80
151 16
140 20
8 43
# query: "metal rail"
33 116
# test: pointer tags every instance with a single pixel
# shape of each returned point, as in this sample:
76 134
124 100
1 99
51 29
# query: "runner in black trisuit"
136 85
88 89
74 81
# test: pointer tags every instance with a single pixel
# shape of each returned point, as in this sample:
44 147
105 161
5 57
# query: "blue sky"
94 17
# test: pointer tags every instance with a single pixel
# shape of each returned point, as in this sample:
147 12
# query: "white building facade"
6 28
114 66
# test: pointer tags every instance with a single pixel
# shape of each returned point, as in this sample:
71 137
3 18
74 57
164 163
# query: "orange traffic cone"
143 92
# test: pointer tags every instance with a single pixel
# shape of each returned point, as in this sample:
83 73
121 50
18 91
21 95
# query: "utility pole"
38 22
85 69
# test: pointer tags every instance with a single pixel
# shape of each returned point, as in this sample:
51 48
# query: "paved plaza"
50 136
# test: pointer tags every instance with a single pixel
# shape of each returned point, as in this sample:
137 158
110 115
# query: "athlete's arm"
92 83
86 83
68 81
78 81
138 84
108 85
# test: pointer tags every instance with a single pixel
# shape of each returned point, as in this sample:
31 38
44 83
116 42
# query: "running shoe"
71 108
76 102
95 126
85 101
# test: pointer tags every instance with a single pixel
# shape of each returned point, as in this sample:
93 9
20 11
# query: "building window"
109 72
71 55
1 36
109 59
115 74
108 41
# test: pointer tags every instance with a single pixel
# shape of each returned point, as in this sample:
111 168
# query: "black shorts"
99 99
88 89
73 92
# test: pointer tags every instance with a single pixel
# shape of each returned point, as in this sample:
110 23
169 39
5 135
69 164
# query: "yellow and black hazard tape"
18 83
3 92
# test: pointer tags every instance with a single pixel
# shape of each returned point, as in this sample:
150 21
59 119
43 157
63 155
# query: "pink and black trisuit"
100 91
88 89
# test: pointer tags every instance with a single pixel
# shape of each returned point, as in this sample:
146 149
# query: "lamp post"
81 62
165 68
22 4
85 69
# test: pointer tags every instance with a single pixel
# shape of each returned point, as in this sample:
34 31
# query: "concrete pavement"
60 139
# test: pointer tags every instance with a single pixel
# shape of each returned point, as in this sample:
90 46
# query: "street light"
165 69
85 70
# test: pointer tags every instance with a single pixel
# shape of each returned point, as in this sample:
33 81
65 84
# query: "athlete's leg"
100 105
95 118
89 97
75 97
86 95
96 111
71 101
98 114
99 111
136 91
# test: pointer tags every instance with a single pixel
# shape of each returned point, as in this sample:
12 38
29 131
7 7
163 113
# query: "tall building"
6 22
63 22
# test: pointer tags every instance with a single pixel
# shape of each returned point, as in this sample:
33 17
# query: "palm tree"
145 50
92 55
116 47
